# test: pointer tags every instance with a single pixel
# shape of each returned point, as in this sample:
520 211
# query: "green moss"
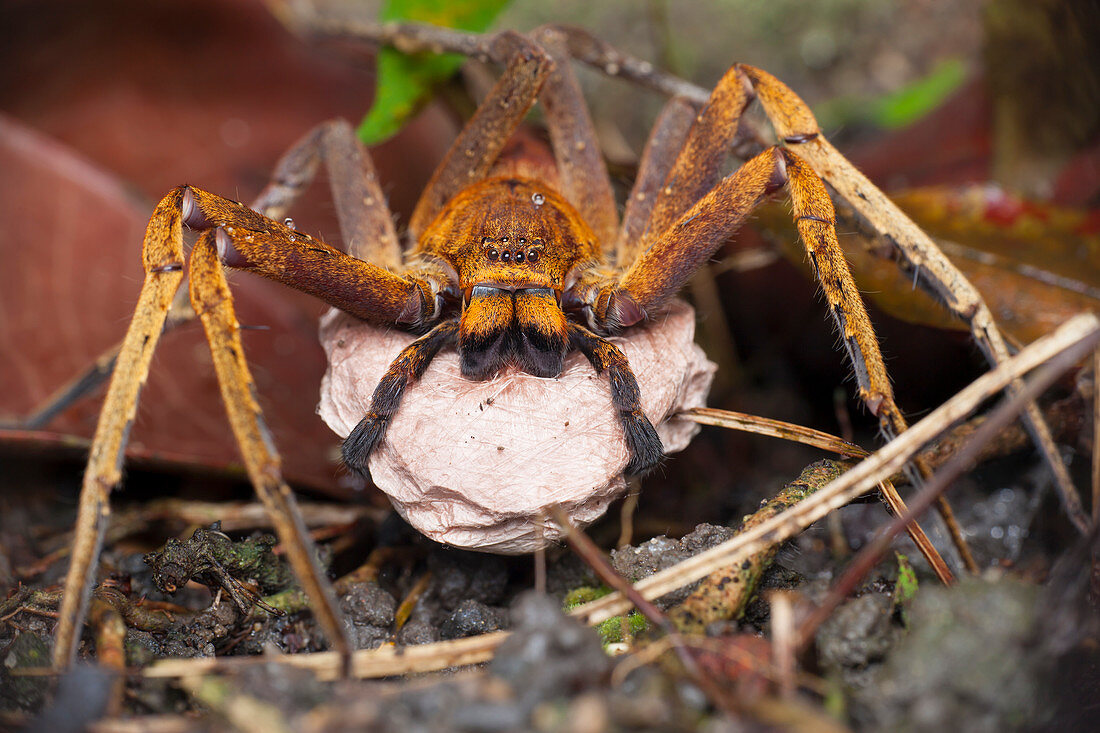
584 594
622 628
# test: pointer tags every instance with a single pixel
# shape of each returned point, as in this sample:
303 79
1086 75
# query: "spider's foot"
646 450
362 441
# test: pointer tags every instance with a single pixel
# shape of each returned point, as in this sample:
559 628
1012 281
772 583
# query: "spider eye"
519 256
505 256
533 256
493 254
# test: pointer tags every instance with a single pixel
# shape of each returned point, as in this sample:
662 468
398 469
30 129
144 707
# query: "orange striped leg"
664 143
162 254
213 302
477 146
584 178
247 240
366 224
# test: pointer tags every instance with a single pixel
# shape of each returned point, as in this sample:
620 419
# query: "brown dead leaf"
209 93
1035 264
70 270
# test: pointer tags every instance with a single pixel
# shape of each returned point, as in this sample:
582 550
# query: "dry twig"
859 480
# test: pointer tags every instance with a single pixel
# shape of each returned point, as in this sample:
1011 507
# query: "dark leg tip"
360 444
646 450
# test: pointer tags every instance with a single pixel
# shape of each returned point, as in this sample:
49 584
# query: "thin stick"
774 429
859 480
783 641
964 459
626 517
243 712
372 663
594 556
896 504
401 615
540 557
824 441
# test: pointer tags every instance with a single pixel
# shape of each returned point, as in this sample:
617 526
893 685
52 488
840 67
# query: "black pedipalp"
408 367
646 449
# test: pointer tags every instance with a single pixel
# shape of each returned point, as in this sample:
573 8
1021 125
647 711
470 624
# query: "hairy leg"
366 224
642 440
213 303
585 182
661 149
480 141
693 172
662 269
247 240
408 367
698 163
162 255
531 72
796 125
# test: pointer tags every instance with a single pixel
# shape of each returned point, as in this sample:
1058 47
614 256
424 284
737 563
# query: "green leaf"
905 589
405 82
912 102
899 108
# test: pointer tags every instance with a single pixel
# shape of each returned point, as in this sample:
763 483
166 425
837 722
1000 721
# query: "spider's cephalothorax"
512 249
512 243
